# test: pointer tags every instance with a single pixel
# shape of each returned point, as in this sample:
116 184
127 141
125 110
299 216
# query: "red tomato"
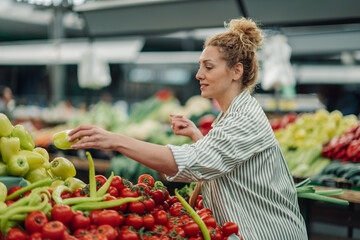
65 195
147 180
53 230
156 208
79 221
110 198
14 189
219 233
80 232
185 218
142 189
122 207
100 180
148 221
110 217
80 192
36 236
9 202
128 235
177 209
16 234
137 207
67 236
173 221
199 204
113 191
93 236
35 221
212 233
149 204
127 192
165 205
117 182
108 231
172 200
158 196
94 216
135 221
164 237
230 228
177 232
209 220
153 238
161 217
191 229
160 229
204 211
62 213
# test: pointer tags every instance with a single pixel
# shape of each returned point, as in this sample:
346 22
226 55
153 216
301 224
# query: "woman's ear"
238 71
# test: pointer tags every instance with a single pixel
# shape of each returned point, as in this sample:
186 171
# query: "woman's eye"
208 67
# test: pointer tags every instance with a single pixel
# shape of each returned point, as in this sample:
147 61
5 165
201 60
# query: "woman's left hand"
93 137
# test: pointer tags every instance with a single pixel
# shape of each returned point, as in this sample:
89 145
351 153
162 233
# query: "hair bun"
248 32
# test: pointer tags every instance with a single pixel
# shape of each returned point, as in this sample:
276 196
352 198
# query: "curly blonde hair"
239 44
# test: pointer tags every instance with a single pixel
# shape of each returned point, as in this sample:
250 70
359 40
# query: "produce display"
106 208
303 137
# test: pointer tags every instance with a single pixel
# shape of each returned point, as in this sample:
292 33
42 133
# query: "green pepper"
56 194
17 166
5 126
34 159
74 183
9 147
26 141
105 204
61 140
45 154
56 183
2 206
3 192
36 175
3 169
62 167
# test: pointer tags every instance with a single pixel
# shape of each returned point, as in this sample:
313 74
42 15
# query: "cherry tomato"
94 216
108 231
148 221
110 198
230 228
128 235
156 208
209 220
204 211
127 192
35 221
135 221
142 189
110 217
80 232
35 236
122 207
14 189
113 191
16 234
177 209
158 196
199 204
100 180
160 229
65 195
62 213
149 204
219 233
173 222
117 182
93 236
212 232
67 236
137 207
191 229
79 221
172 200
177 232
161 217
147 180
80 192
53 230
165 205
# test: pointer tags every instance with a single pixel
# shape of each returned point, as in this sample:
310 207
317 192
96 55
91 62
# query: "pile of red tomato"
157 217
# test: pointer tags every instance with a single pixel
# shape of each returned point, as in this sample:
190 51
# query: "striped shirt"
245 176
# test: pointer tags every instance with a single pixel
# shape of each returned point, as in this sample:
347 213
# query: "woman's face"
214 75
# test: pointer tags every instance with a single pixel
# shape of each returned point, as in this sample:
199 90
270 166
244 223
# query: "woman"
244 174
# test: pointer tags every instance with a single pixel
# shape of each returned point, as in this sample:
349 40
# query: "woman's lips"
203 86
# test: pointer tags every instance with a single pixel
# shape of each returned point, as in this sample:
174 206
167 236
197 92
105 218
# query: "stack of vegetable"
107 208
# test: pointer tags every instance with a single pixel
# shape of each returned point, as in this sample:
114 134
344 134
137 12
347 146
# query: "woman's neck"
225 100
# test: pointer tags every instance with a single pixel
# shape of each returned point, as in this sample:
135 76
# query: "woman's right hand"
184 127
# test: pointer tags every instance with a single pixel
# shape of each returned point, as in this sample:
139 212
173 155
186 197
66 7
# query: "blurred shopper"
7 103
245 178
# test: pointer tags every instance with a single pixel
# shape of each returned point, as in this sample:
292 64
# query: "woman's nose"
199 75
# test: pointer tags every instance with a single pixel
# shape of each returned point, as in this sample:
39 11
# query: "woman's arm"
185 127
157 157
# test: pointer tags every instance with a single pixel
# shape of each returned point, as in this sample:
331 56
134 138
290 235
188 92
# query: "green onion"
318 197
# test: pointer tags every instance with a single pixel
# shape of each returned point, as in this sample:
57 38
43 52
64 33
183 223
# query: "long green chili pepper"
195 216
22 209
332 192
105 204
319 197
103 189
307 189
45 182
303 183
92 181
56 195
17 217
21 202
78 200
